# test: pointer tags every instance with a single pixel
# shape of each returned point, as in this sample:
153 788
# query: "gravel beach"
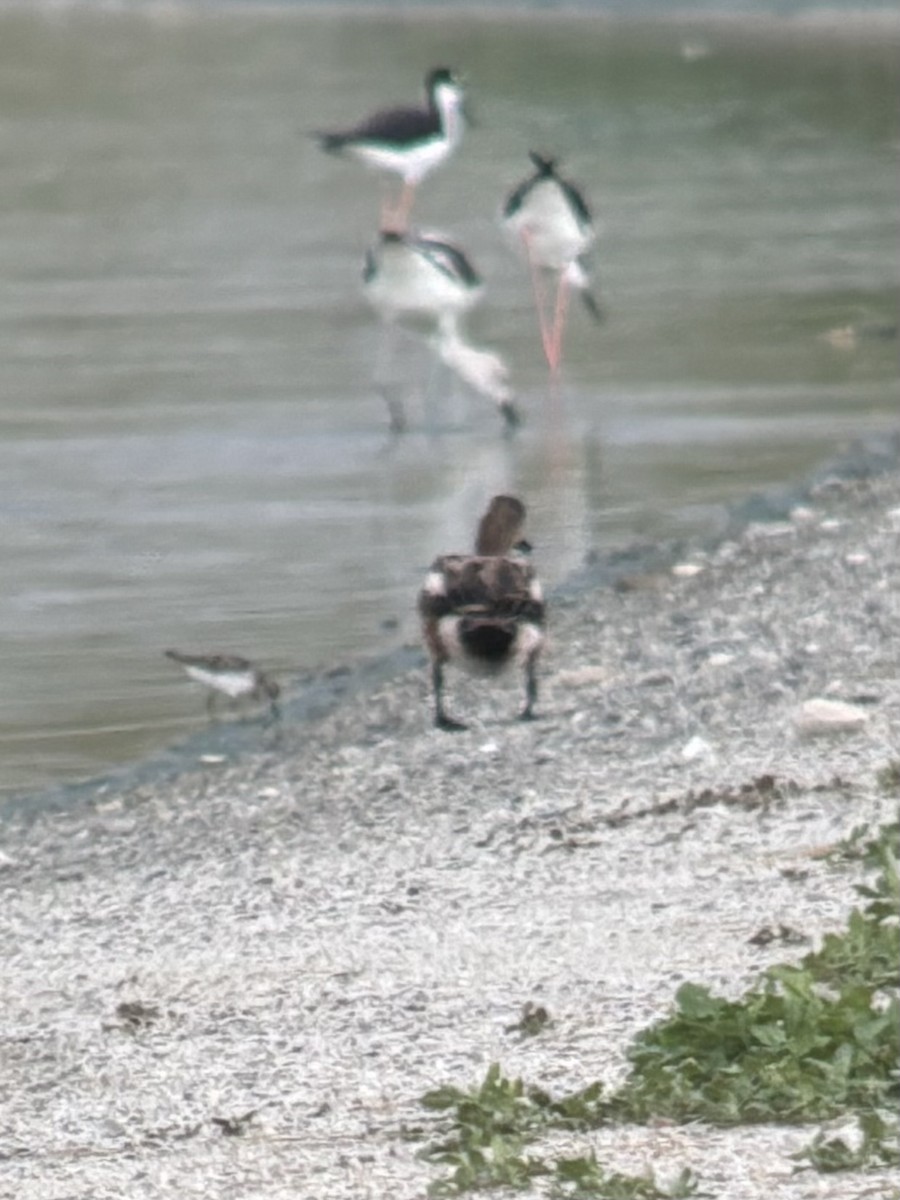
357 912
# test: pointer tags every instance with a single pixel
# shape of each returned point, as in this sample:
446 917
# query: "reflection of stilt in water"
567 458
429 277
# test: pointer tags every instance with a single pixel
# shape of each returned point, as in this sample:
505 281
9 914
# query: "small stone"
579 677
842 337
655 679
212 760
720 660
488 748
856 559
686 570
770 529
830 525
801 515
820 716
697 747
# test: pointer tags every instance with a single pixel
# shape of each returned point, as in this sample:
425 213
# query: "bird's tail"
331 143
577 277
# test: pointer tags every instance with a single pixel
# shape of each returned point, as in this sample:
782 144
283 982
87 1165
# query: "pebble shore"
239 984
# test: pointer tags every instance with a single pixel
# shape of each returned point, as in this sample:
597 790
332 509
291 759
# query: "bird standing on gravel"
229 675
485 611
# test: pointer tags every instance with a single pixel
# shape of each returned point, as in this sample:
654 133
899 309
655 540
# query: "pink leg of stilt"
395 214
404 207
559 320
540 302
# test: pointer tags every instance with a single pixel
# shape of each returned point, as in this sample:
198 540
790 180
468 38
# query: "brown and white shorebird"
231 676
485 611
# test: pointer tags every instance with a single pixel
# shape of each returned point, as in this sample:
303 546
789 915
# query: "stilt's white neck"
448 101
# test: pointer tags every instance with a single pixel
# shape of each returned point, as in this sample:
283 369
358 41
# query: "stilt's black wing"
393 126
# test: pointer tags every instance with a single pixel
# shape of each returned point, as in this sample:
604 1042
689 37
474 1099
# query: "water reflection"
195 452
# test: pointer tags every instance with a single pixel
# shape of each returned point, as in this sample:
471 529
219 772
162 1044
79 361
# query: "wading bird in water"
408 141
429 276
231 676
485 611
549 219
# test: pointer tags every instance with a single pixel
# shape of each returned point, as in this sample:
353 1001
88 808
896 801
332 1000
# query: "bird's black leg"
531 691
441 720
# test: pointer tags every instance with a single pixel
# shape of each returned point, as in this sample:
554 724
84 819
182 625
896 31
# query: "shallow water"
193 450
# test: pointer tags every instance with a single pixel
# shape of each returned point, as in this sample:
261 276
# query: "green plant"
877 1148
809 1041
784 1052
584 1177
485 1132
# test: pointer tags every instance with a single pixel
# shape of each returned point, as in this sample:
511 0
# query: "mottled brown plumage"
484 610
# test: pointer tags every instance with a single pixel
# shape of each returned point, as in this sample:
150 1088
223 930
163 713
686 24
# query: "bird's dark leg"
531 690
441 720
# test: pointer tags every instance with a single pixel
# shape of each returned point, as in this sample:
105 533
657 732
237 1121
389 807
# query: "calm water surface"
192 451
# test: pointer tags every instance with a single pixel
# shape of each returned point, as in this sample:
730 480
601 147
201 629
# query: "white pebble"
802 515
686 570
821 716
577 677
697 747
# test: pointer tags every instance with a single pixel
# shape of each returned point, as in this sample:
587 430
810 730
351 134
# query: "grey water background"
192 448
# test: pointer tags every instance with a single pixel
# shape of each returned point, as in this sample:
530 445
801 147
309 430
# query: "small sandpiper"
549 218
229 675
419 274
485 611
408 141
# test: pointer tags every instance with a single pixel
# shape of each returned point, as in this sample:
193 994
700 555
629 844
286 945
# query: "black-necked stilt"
427 275
484 611
228 675
407 141
422 274
549 218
